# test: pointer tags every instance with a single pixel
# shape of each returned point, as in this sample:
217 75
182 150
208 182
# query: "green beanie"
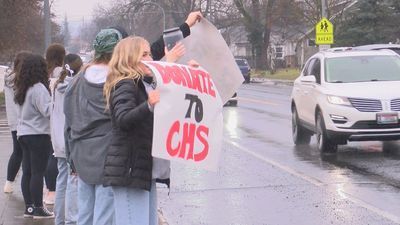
105 41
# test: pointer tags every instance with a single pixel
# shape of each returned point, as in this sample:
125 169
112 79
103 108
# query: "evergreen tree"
370 22
66 34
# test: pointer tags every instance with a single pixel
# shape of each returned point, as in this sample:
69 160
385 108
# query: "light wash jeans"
96 204
135 206
66 205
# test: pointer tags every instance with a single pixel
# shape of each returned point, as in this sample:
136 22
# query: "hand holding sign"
175 53
193 17
154 97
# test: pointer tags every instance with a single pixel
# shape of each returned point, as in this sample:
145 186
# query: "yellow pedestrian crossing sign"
324 32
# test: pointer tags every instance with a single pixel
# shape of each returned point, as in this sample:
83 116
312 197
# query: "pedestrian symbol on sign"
324 32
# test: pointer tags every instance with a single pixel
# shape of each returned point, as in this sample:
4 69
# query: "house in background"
282 52
288 47
236 38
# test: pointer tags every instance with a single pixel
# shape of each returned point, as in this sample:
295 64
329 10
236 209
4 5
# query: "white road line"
4 129
318 183
257 101
311 180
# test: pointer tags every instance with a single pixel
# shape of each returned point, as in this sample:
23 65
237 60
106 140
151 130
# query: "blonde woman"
129 165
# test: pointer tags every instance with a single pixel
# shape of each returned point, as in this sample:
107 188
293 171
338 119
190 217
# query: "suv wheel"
299 134
323 142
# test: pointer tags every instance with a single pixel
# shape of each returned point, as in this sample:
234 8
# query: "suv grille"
395 104
366 105
372 124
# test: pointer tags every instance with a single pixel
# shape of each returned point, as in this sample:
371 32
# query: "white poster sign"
206 45
188 119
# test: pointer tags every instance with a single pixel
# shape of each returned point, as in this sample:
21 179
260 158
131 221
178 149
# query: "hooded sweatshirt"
11 106
57 119
34 113
87 125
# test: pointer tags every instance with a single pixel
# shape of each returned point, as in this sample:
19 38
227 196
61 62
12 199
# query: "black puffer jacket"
129 161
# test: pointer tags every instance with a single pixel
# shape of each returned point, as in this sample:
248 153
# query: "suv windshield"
241 62
362 69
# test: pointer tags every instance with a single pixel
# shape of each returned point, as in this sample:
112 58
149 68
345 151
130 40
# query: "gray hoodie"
57 119
87 127
11 106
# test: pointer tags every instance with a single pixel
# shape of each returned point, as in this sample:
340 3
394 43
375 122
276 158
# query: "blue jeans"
96 204
65 206
135 206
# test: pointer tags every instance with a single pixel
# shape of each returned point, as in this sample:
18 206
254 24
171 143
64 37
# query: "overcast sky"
75 9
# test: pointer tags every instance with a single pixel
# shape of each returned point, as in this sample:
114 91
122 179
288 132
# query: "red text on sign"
195 79
187 134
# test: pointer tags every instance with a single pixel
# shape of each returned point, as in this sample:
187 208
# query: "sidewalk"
12 205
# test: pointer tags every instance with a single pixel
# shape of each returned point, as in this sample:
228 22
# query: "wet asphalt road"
264 179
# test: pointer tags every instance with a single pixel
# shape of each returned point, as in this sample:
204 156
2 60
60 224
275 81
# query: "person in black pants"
14 163
32 94
15 160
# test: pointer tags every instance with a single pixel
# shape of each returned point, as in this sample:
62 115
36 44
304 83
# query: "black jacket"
129 161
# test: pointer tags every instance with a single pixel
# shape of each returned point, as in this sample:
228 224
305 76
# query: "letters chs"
187 135
188 140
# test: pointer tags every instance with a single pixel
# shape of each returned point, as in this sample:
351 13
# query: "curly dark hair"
33 70
19 58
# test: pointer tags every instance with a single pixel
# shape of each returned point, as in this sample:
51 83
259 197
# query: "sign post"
324 33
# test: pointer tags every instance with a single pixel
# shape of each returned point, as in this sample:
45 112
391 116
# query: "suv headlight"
336 100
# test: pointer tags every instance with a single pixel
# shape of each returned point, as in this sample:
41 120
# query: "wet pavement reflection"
265 179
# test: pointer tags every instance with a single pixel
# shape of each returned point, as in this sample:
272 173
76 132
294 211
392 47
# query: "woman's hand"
154 97
176 52
193 17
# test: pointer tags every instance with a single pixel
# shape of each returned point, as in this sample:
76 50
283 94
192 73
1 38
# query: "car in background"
233 101
346 96
393 47
244 68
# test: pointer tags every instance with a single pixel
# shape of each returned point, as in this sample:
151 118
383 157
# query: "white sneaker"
50 197
8 187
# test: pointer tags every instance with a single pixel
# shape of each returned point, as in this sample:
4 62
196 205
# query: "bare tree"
146 18
258 20
21 24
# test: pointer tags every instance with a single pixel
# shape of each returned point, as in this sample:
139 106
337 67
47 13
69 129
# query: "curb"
267 81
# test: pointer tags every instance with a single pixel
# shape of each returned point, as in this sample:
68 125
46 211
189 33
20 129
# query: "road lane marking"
311 180
319 183
257 101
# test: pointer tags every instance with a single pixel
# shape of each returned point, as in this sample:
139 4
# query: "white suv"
347 96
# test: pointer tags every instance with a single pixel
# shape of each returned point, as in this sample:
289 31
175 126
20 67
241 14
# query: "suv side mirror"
308 79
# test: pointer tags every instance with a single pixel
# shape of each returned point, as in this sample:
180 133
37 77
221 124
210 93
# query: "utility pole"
47 25
324 9
324 14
